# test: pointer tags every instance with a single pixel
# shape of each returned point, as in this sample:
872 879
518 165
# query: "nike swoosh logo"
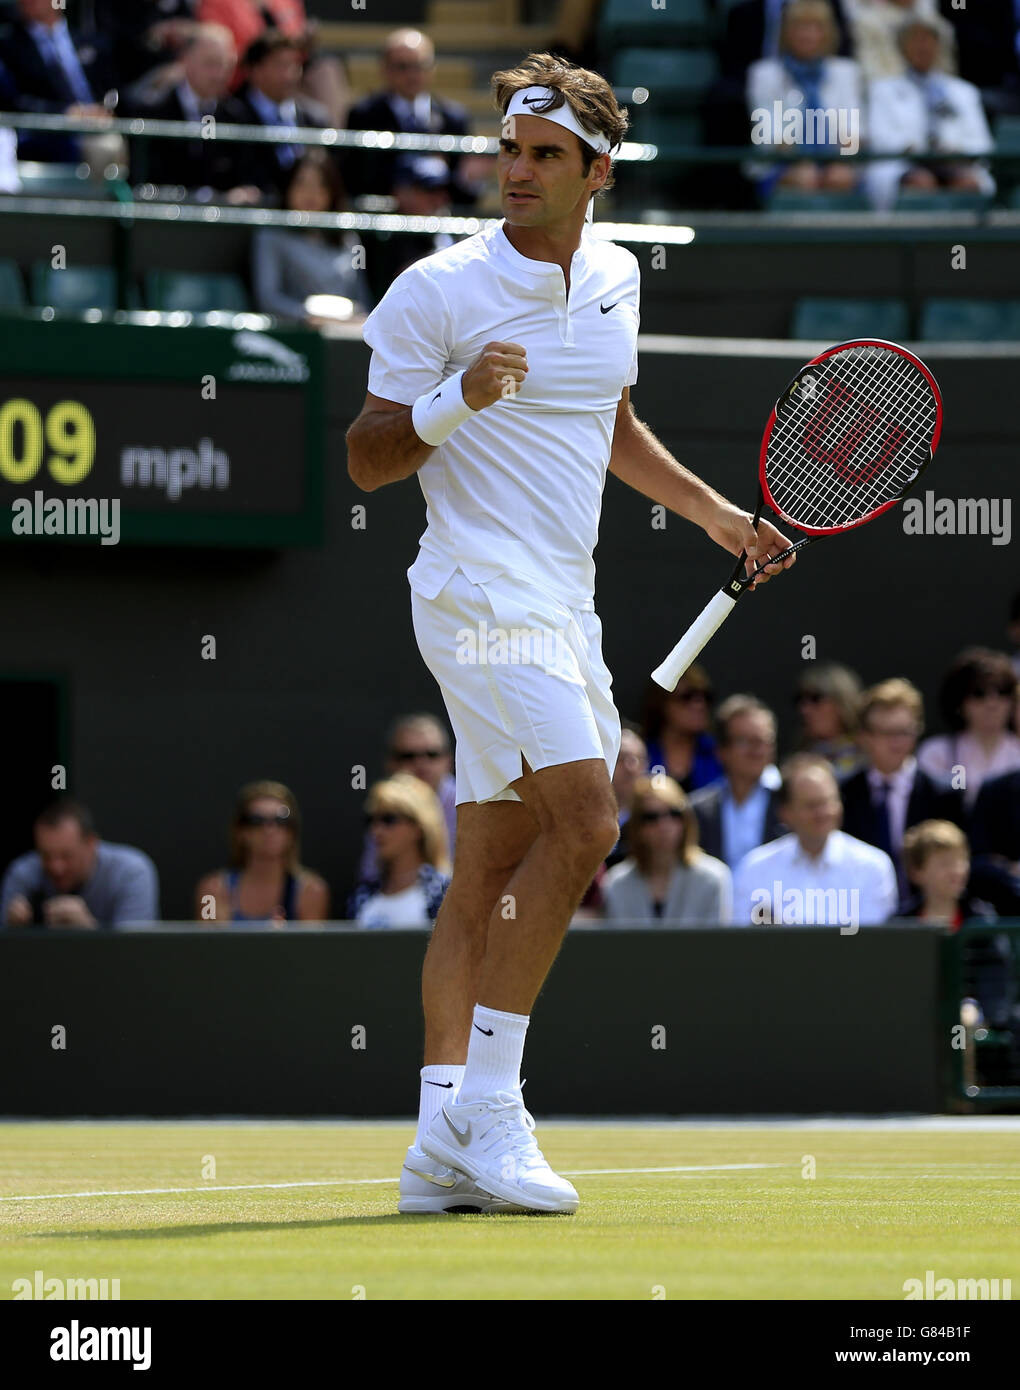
435 398
534 101
463 1137
431 1177
486 1031
446 1085
606 307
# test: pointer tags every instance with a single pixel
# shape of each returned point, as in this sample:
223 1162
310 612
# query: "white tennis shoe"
428 1186
491 1140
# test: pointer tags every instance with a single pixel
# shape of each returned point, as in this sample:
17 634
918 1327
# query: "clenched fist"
495 373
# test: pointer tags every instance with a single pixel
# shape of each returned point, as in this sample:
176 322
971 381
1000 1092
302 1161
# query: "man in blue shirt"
75 879
738 813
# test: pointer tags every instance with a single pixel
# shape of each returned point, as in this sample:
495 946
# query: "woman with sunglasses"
405 820
827 701
266 881
675 729
978 700
666 877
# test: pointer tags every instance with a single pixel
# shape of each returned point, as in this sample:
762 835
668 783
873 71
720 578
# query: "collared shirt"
947 755
284 114
848 884
517 488
193 106
743 826
55 44
900 785
123 887
413 115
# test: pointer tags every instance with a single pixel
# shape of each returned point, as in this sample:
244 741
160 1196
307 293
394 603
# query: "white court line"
362 1182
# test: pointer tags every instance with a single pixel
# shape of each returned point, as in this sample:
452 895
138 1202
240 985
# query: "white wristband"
437 414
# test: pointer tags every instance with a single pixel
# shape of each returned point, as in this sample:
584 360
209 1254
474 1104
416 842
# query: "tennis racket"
850 435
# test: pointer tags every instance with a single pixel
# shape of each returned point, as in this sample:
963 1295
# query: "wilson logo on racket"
852 432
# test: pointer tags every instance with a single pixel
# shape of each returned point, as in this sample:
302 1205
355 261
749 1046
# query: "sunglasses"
646 817
687 695
990 692
402 755
384 818
809 697
253 819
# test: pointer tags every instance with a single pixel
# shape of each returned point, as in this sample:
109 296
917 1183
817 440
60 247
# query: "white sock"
438 1084
494 1054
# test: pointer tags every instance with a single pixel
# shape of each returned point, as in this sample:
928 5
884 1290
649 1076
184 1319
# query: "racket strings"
850 438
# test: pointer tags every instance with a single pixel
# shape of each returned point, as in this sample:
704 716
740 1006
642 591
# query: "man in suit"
922 117
995 838
268 96
408 65
892 793
207 62
47 70
740 812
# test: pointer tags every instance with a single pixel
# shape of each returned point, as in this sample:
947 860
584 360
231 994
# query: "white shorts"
520 673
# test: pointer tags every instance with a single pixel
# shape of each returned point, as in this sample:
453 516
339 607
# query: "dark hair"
65 809
272 41
1014 608
973 669
326 167
656 700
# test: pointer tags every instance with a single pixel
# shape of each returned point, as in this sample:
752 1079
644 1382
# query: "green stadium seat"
61 181
969 320
75 288
664 128
836 320
1013 201
795 200
673 77
1007 135
946 200
624 22
175 291
12 289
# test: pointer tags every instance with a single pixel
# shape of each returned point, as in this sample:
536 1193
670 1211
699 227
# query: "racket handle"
712 616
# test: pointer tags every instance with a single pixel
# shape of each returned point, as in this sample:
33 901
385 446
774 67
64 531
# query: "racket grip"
712 616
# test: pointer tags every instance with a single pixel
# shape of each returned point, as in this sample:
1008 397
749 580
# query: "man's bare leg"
492 839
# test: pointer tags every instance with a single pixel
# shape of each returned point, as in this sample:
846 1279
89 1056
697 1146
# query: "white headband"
523 103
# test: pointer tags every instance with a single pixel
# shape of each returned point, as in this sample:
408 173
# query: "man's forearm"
643 463
383 447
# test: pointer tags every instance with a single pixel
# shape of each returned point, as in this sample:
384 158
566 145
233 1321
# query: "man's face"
420 751
207 68
889 738
630 765
921 49
67 855
407 71
539 170
415 200
39 12
278 75
750 746
814 810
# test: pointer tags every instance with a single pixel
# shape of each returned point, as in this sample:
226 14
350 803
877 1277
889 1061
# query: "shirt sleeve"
409 334
21 878
137 898
632 374
881 897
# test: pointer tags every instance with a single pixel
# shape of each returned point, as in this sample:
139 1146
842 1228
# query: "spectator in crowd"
937 859
266 881
10 181
290 264
421 188
147 38
753 29
666 877
740 812
324 78
1013 634
419 744
207 60
987 44
631 764
875 25
48 70
676 733
807 78
75 879
890 794
407 826
924 116
977 700
405 103
827 700
816 875
268 97
995 836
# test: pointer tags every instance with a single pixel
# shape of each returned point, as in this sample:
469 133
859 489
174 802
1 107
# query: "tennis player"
500 374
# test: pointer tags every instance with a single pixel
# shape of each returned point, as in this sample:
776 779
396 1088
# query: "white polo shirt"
518 487
849 883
